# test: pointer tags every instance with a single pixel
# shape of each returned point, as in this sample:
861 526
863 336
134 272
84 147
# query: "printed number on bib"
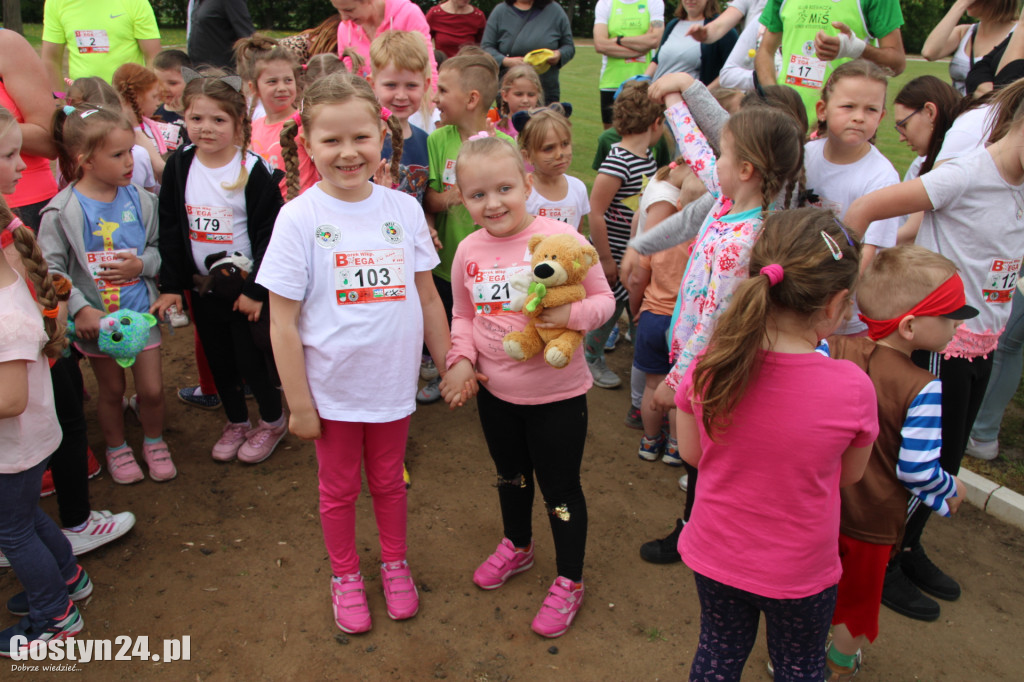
805 72
210 224
92 42
1001 281
97 259
492 290
369 276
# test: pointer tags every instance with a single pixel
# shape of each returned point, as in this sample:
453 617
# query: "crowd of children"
315 223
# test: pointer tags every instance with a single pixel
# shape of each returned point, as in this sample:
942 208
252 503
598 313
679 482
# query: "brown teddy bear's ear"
534 240
589 255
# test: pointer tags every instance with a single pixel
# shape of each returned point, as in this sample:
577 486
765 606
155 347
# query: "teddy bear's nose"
543 271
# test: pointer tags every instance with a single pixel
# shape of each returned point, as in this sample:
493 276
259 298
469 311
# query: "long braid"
397 143
133 102
290 155
46 291
243 173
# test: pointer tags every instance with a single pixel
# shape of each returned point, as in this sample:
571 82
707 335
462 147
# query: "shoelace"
260 437
120 459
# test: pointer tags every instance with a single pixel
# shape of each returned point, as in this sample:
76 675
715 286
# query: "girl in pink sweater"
534 417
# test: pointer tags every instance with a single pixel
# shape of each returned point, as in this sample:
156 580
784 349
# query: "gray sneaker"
603 377
430 393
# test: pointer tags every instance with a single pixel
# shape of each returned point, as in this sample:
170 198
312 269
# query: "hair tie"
14 224
51 312
305 67
774 273
297 117
482 135
385 114
672 165
68 110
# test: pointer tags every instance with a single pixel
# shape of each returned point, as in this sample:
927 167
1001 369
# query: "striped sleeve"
918 464
616 166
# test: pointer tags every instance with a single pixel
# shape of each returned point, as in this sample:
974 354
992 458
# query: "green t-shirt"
659 150
100 35
799 22
455 224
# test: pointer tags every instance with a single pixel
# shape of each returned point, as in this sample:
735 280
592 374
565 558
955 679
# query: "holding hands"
460 383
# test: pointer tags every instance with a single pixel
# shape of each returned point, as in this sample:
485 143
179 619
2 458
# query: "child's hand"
87 323
160 306
248 307
554 318
669 84
628 263
382 176
459 383
434 237
961 493
305 424
664 397
452 197
127 267
611 271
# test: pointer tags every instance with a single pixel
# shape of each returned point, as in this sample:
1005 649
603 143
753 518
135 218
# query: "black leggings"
69 462
963 387
235 358
548 440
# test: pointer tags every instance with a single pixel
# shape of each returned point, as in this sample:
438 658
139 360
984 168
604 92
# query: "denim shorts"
650 353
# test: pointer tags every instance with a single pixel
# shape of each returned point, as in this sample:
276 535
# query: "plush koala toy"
558 265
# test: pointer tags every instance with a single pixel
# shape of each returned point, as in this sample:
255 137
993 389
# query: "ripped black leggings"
546 440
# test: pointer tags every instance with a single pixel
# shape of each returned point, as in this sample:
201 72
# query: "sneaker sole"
263 458
568 623
672 461
648 456
519 570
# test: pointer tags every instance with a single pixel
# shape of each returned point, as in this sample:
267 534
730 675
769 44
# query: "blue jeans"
1007 364
39 553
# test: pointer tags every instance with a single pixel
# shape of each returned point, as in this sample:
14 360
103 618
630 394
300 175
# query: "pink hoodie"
399 15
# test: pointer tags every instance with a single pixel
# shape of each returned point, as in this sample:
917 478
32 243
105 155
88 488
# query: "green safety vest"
801 21
626 20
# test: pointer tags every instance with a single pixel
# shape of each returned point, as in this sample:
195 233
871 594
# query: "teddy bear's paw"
556 358
514 349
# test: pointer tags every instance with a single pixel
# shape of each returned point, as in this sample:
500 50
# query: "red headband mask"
948 297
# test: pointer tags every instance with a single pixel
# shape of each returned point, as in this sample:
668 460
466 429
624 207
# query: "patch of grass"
655 635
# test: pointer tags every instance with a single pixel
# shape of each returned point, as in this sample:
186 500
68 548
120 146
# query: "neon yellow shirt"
100 35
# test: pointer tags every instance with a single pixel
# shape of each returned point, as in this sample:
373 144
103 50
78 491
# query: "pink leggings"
339 453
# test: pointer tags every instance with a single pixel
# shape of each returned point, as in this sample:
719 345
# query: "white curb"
999 501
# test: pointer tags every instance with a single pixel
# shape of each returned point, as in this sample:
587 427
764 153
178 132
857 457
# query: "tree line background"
920 16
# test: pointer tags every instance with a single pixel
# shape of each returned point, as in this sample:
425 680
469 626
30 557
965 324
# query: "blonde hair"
94 90
542 122
131 81
80 130
511 76
858 68
319 65
7 121
406 51
1008 105
796 241
50 290
477 72
899 278
490 147
336 88
210 84
662 174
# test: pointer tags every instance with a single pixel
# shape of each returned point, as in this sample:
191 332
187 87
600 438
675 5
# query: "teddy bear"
228 271
558 264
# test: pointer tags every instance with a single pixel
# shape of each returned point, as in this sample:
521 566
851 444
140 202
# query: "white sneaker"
684 482
428 370
101 528
983 449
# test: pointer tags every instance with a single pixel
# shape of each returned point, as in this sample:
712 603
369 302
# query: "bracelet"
618 41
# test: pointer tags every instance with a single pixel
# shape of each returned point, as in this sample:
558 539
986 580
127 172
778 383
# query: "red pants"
860 587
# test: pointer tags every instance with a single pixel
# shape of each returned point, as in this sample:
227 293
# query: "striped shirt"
633 171
918 464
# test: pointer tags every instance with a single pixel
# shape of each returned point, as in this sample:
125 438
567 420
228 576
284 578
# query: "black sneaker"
929 577
903 597
663 551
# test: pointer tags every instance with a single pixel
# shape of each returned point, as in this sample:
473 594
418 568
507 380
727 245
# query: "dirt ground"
232 556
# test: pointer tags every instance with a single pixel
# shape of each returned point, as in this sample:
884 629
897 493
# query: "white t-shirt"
657 190
968 132
353 266
978 223
603 14
32 436
216 216
569 209
427 126
142 171
751 9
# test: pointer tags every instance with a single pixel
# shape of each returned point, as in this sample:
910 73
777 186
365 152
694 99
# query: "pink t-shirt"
486 265
33 435
266 141
766 515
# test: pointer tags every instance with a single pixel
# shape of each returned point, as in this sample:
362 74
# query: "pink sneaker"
158 459
226 449
260 442
502 565
123 467
399 590
559 608
351 612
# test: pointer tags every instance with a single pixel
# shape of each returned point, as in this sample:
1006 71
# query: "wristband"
850 46
618 41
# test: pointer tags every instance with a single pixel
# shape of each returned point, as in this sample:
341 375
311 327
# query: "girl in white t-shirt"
974 215
546 144
352 300
218 204
101 233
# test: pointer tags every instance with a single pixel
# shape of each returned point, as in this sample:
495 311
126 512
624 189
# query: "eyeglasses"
902 125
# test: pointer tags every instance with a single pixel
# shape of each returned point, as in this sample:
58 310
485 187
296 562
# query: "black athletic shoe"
903 597
663 551
929 577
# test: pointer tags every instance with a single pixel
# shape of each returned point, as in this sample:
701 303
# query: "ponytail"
290 155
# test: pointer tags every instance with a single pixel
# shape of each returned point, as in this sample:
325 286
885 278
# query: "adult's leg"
728 627
556 435
69 463
1007 364
339 452
504 426
385 453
